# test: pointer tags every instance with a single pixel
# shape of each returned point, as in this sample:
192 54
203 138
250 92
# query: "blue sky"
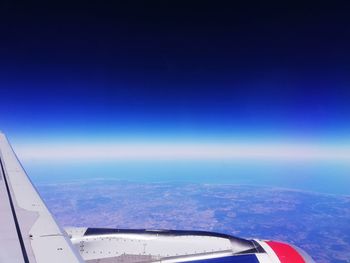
180 74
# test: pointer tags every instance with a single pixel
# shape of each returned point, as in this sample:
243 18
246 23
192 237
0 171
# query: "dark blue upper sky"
172 68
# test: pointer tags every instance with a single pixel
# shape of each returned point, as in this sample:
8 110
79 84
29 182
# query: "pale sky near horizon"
184 151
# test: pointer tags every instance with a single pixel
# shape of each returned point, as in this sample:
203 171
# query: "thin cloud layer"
183 151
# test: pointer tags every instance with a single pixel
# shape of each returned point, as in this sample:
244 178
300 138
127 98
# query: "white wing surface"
28 231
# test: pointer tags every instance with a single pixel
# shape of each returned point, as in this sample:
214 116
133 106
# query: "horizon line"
173 151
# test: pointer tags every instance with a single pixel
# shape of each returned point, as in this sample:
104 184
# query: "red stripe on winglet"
285 252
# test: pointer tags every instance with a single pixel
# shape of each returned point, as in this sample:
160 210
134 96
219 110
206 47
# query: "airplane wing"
28 231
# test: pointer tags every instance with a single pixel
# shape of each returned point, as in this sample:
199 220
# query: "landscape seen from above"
316 222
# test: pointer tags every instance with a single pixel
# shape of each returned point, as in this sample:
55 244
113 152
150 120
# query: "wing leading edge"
29 233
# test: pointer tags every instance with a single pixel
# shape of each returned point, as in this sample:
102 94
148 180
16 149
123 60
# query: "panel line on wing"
20 238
